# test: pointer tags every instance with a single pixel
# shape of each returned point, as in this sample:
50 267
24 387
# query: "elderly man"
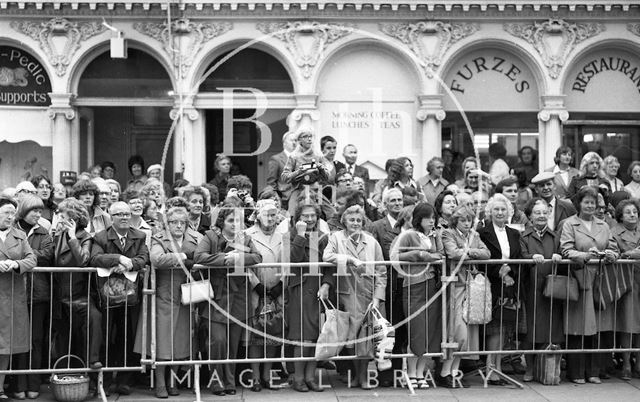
350 154
433 183
559 209
122 249
385 232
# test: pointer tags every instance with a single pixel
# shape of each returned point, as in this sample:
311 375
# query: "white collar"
392 221
498 228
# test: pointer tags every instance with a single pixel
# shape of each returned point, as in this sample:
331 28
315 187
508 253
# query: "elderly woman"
585 237
589 175
73 250
362 285
460 242
627 236
445 204
222 168
509 188
563 170
196 199
304 159
544 318
303 309
87 193
267 288
610 167
220 336
16 259
44 188
420 244
634 185
38 292
104 193
504 243
136 204
171 257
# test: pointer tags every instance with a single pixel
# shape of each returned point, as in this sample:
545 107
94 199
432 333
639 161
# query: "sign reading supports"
23 79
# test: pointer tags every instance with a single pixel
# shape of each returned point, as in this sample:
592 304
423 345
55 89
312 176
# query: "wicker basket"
70 387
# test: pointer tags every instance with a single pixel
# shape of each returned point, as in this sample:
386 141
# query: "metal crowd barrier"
510 333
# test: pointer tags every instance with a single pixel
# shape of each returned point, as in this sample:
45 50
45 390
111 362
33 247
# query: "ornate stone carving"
49 34
184 40
190 112
416 37
68 112
546 114
554 39
634 29
294 33
424 114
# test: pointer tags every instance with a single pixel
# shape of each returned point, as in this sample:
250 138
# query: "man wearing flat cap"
561 209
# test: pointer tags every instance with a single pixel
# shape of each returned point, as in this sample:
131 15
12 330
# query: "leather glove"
275 291
259 289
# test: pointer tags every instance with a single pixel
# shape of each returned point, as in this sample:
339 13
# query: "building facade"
394 78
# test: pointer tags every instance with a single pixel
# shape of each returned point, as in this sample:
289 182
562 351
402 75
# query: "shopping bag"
612 282
269 317
476 306
547 367
118 291
334 332
561 287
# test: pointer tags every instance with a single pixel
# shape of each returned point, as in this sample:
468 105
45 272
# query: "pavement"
613 389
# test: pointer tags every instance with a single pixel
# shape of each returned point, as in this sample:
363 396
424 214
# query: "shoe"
230 391
95 366
518 368
594 380
19 395
499 382
161 392
3 396
327 365
604 376
218 392
111 389
422 384
446 381
463 383
257 386
626 375
300 386
173 391
33 394
579 381
527 378
314 386
124 389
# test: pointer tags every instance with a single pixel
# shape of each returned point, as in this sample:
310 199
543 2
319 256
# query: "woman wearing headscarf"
362 285
220 336
38 293
267 285
16 258
585 237
544 315
304 168
303 309
627 235
460 242
420 244
172 253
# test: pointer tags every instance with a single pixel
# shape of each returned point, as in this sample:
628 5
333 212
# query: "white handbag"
196 292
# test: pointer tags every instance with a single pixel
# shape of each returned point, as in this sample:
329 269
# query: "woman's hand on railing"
538 258
556 258
609 256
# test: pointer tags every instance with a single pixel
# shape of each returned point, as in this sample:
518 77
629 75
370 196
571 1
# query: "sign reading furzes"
23 80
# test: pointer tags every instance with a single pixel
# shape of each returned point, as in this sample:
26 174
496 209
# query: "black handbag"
118 291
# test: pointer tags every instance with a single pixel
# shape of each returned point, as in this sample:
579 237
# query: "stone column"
551 117
431 115
305 114
66 145
189 147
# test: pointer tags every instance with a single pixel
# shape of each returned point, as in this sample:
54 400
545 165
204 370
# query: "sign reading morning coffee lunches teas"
23 79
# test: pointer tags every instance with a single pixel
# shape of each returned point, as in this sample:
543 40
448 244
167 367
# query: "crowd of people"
313 209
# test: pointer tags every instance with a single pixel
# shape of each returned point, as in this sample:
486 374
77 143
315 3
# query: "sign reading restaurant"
595 67
23 79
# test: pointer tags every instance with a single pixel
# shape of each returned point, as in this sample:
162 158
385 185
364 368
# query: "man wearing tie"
350 154
122 249
276 166
559 209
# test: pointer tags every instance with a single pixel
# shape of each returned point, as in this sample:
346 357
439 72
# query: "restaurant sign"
23 79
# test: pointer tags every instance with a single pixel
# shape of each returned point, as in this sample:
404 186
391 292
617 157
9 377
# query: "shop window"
249 68
137 76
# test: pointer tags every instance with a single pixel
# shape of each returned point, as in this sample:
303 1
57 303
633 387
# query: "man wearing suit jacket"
546 189
385 232
276 166
350 154
123 249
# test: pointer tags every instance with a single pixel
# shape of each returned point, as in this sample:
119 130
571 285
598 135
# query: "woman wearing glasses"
44 188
